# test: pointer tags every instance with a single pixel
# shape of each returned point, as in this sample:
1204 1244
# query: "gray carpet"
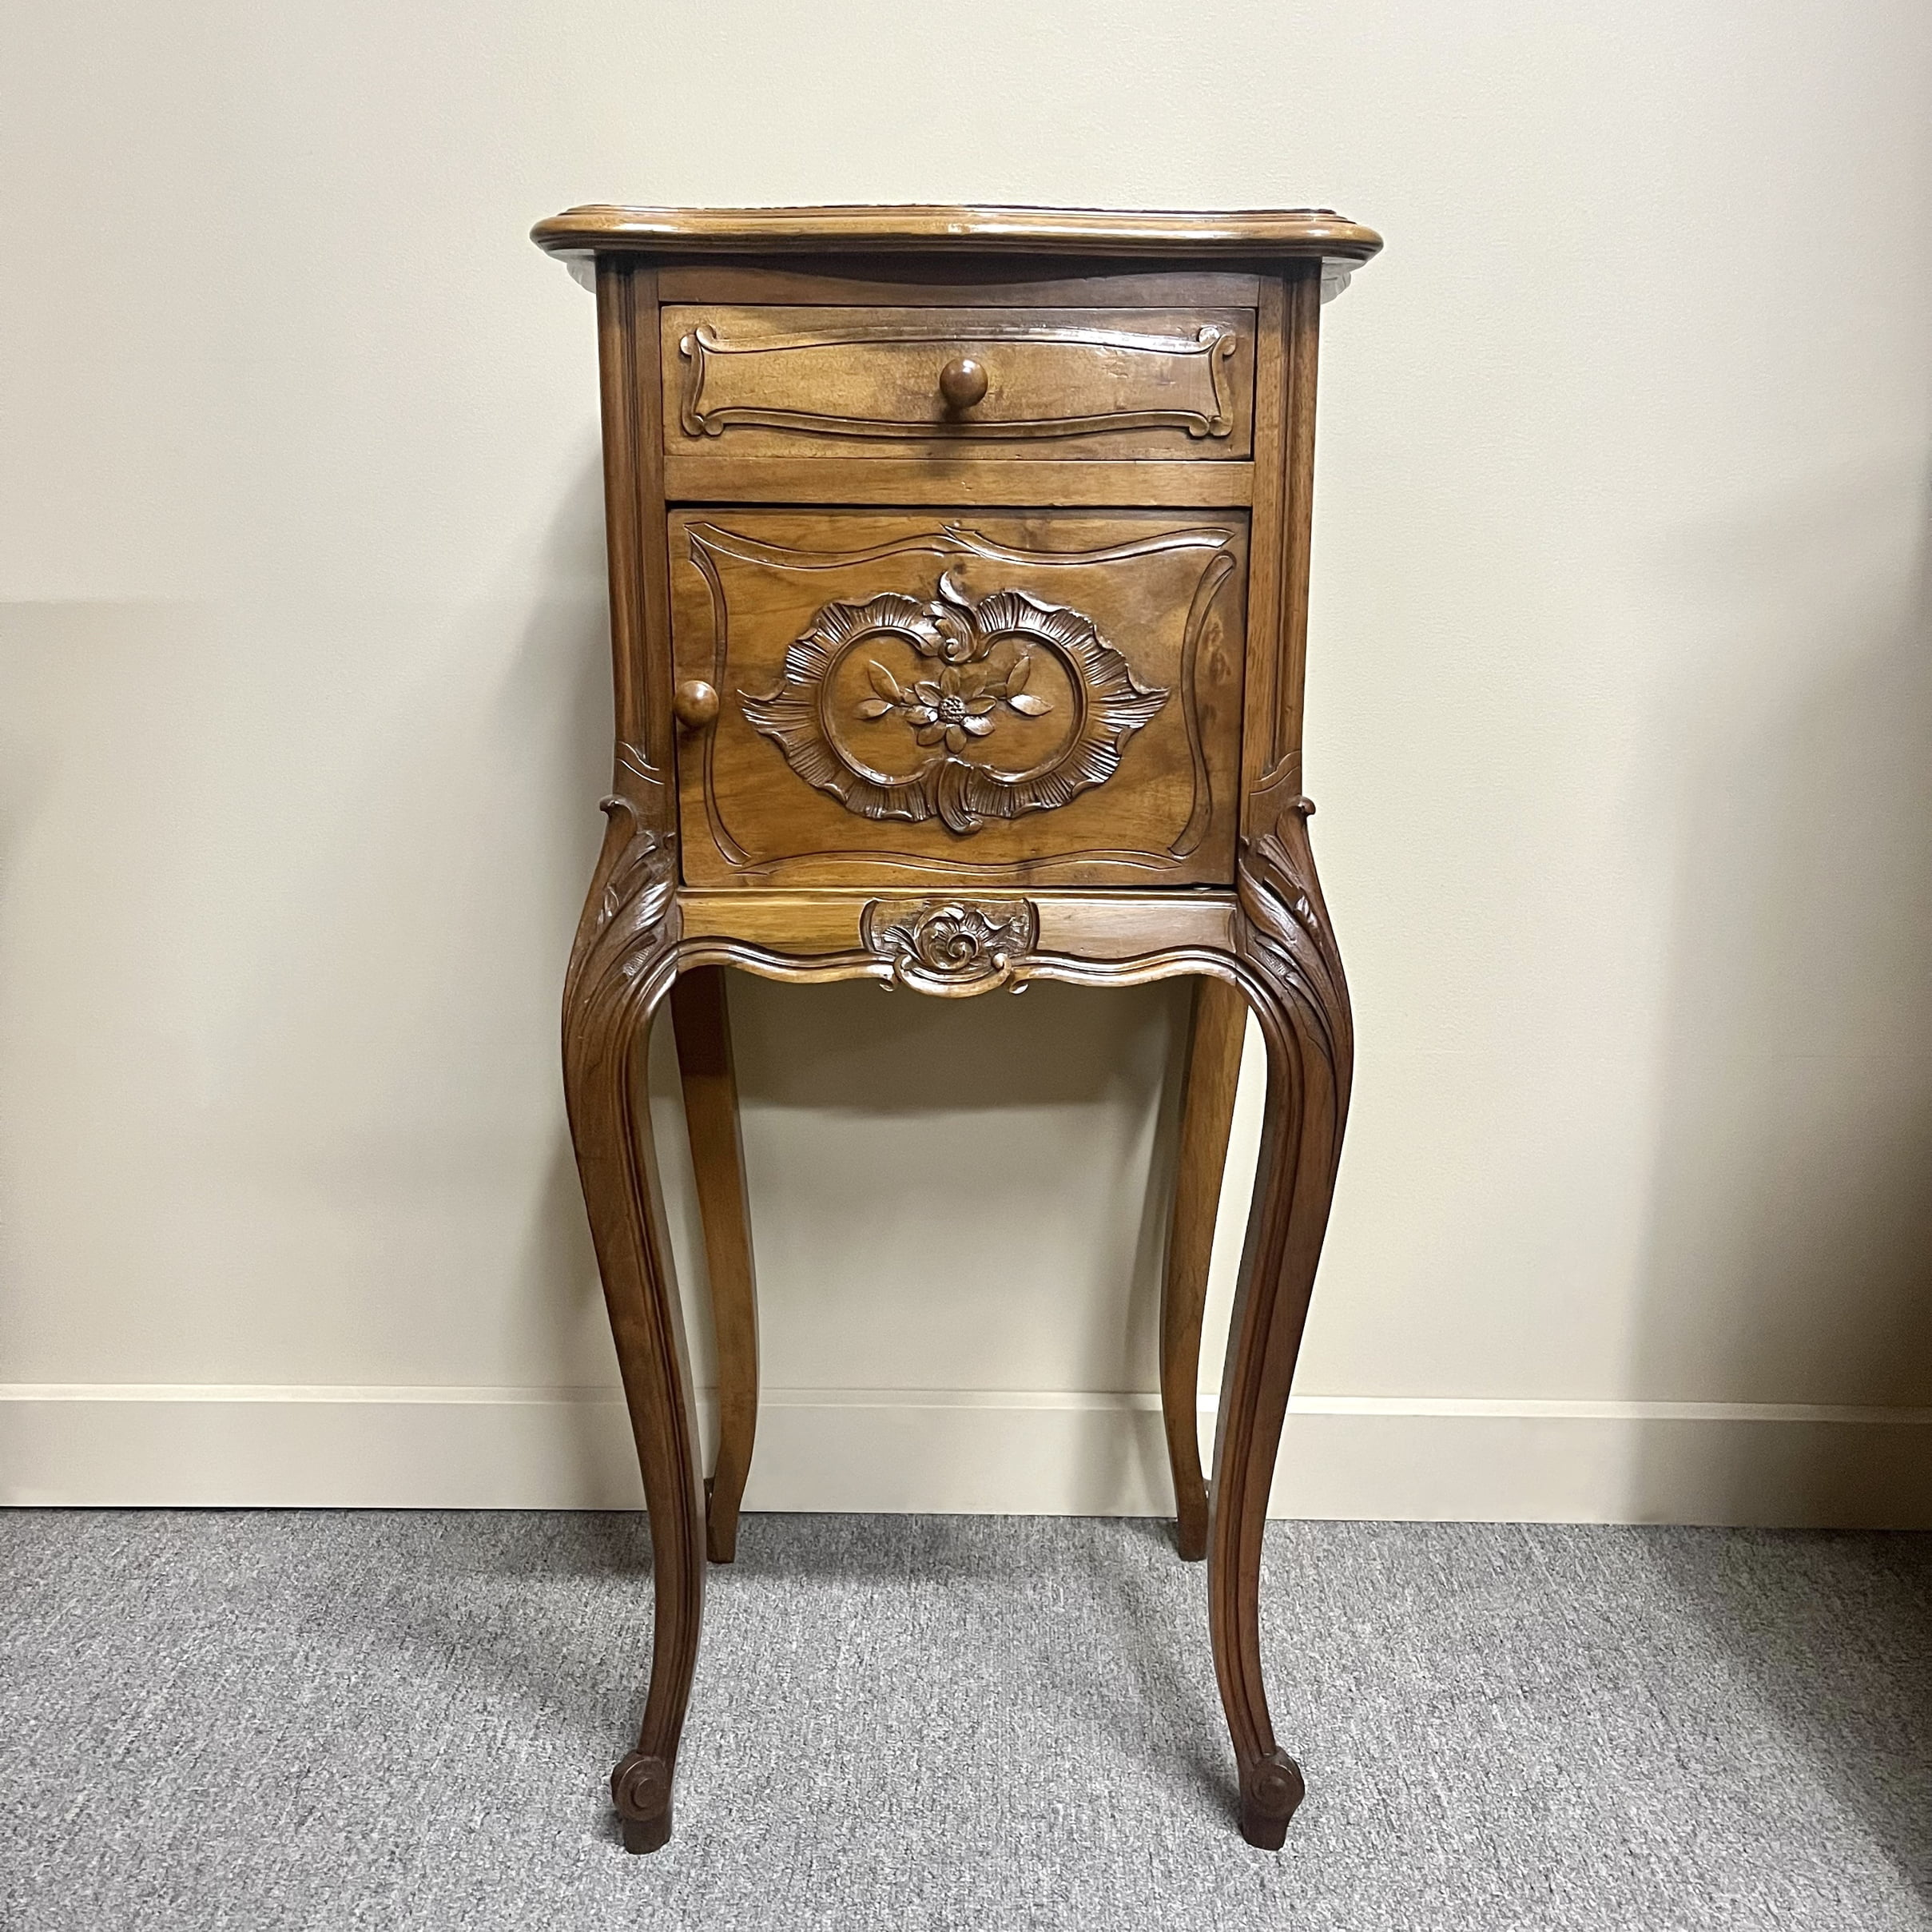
260 1720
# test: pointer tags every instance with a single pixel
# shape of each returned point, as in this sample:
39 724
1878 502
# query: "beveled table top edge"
1206 235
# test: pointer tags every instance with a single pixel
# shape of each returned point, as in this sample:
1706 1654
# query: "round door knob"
695 703
962 383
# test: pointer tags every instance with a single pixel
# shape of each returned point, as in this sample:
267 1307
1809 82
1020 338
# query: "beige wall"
1620 717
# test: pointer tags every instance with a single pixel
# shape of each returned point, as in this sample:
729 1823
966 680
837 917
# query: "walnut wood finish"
1041 383
943 474
695 704
623 964
1016 281
1276 234
700 1014
1300 1000
1207 1118
962 384
1095 937
837 638
1028 718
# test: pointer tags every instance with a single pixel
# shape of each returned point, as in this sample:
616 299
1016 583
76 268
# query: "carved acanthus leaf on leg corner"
1285 928
630 913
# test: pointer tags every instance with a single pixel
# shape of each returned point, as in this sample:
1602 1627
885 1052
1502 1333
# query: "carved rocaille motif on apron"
950 946
952 709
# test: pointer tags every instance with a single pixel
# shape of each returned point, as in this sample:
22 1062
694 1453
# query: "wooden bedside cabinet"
958 581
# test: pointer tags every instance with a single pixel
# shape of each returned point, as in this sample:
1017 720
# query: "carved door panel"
880 382
1051 699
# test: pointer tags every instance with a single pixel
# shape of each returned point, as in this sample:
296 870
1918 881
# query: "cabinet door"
1047 699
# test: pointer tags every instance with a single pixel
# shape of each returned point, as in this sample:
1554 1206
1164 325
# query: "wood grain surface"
942 658
1171 236
1056 384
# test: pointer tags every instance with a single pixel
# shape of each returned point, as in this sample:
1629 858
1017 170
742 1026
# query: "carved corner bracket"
954 947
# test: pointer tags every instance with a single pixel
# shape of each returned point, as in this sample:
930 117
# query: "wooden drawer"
1052 698
1071 383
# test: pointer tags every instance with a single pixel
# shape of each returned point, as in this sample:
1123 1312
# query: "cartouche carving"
1202 357
981 656
952 946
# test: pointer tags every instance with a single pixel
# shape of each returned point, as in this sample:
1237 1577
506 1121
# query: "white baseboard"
974 1453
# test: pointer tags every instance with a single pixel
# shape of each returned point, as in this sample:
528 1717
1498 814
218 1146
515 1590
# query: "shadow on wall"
1791 1247
962 1194
1790 1253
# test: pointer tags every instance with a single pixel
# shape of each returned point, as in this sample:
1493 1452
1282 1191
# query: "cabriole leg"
621 966
717 1158
1207 1114
1302 1003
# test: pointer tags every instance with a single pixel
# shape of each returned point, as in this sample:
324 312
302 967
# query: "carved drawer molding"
1125 379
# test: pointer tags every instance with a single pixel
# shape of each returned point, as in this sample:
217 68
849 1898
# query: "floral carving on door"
953 708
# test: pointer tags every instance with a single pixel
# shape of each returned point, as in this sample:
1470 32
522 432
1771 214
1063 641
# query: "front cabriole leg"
622 965
1295 984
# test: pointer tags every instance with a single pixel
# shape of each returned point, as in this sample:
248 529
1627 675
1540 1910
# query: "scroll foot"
1271 1790
641 1789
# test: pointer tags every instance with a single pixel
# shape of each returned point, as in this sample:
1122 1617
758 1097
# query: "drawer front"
1094 383
1051 699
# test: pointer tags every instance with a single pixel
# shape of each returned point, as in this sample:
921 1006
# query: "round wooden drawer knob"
696 704
962 383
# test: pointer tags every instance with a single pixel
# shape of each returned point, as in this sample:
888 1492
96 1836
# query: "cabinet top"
1242 234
